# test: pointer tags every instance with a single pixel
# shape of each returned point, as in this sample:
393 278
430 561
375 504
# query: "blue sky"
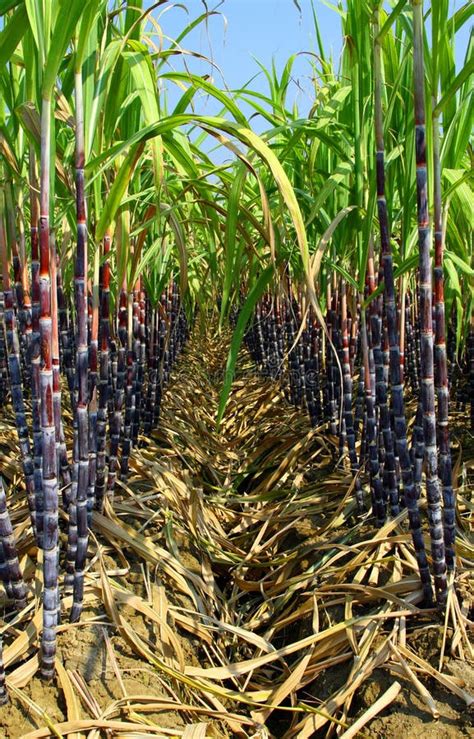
245 30
266 30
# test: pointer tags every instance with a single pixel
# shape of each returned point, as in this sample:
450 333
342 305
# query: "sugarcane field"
237 369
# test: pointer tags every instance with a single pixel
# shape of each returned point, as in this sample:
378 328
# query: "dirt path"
231 589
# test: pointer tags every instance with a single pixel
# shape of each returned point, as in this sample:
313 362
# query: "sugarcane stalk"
470 358
66 333
104 371
5 574
3 354
18 271
14 366
55 348
64 470
50 482
3 680
400 429
426 315
116 419
10 553
153 362
132 331
440 357
331 410
347 399
93 391
141 361
35 351
82 361
378 500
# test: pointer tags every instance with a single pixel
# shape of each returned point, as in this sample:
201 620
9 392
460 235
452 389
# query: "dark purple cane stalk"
331 367
359 413
316 364
402 335
129 413
165 346
304 337
10 553
62 451
14 366
22 293
18 271
130 385
370 289
378 428
60 448
174 323
3 679
93 404
35 350
26 288
280 336
141 359
386 451
153 363
409 488
262 359
347 401
376 485
426 314
354 338
81 446
116 420
310 371
412 369
157 349
294 366
386 447
67 339
161 355
3 354
265 322
5 574
470 357
50 482
263 333
104 370
441 361
417 451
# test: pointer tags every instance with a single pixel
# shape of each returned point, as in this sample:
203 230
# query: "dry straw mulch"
232 591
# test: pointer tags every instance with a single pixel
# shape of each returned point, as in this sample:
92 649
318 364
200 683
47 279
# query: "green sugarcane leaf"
391 18
465 74
145 84
69 13
460 17
343 272
90 14
12 34
342 172
244 316
455 285
200 82
230 240
107 67
6 5
244 135
117 191
184 101
465 268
